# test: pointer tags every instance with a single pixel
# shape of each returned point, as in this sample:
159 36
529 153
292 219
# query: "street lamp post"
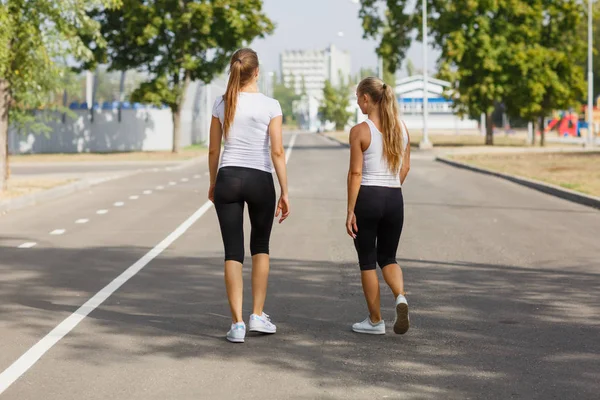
425 143
590 77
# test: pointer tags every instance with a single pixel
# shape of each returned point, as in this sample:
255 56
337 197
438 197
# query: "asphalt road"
502 282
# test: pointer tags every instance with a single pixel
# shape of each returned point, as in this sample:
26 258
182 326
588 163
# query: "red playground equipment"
568 124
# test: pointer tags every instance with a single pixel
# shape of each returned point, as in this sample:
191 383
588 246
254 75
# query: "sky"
315 24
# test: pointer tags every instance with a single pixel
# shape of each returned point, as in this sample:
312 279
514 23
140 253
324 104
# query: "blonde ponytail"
242 69
391 130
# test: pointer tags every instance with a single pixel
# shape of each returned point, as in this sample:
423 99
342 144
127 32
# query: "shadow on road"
478 330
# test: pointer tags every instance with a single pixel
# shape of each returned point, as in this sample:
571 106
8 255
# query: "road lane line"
288 153
27 245
172 183
31 356
82 221
184 179
147 191
134 197
102 212
119 204
160 187
58 232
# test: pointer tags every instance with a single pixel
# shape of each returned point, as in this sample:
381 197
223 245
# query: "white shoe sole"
262 330
402 322
235 340
369 332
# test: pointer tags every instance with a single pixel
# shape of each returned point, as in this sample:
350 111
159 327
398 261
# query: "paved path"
503 284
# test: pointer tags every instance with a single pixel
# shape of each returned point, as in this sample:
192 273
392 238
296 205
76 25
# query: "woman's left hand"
351 226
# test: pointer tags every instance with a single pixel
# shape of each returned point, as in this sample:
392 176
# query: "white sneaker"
237 333
402 320
368 327
261 323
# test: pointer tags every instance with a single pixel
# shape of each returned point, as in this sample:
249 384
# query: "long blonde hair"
242 68
391 130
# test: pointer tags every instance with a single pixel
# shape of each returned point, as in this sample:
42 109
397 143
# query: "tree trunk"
4 108
177 114
176 128
542 132
489 129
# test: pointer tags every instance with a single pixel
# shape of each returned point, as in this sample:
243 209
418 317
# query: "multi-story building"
306 71
312 68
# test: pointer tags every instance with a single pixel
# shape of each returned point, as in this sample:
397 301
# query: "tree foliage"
287 96
522 53
334 107
35 38
176 42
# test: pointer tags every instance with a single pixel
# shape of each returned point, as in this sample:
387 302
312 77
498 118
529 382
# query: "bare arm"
278 157
405 160
214 152
354 178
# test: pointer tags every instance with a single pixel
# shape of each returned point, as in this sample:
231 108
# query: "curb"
333 139
188 163
70 188
557 191
55 193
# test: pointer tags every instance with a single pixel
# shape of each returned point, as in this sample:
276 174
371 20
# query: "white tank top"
247 144
375 170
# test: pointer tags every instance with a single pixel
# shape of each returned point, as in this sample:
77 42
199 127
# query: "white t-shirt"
247 143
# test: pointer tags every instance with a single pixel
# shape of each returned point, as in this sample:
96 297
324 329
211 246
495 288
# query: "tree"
410 67
286 95
479 42
335 104
389 75
366 72
177 42
546 69
35 35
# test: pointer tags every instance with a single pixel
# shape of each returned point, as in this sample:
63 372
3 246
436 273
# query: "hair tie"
384 86
238 60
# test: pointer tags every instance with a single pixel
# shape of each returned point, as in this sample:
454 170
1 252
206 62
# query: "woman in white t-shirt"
249 122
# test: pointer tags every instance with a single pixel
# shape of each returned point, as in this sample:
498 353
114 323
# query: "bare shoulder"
359 131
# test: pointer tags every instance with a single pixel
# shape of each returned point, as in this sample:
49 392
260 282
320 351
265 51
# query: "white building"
441 117
314 67
311 68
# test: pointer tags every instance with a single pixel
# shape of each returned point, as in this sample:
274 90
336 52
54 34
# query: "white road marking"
102 212
160 187
197 176
288 153
57 232
119 204
147 192
134 197
31 356
27 245
172 183
184 179
82 221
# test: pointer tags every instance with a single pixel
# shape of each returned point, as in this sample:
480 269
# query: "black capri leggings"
379 217
234 187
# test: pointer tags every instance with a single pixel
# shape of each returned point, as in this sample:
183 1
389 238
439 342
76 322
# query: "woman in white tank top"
379 163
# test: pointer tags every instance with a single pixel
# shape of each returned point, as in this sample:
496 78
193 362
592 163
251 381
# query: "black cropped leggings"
234 187
379 217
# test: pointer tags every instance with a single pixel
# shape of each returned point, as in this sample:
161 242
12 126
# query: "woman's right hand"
283 208
211 193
